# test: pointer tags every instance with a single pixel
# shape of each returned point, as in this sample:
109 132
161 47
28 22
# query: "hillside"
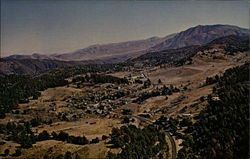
121 50
200 35
227 45
31 66
221 130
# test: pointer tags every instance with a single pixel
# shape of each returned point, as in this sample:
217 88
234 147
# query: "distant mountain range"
198 35
114 52
228 44
119 52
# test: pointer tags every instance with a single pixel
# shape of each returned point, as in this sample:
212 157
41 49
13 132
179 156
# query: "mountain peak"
199 35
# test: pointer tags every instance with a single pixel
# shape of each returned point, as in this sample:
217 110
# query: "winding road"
171 139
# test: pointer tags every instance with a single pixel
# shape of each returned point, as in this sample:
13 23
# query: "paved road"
173 145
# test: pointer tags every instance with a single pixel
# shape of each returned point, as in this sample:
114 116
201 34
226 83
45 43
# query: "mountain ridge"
28 64
197 35
228 45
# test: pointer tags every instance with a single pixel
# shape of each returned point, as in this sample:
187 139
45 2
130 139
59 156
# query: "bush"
6 152
104 137
125 120
96 140
43 136
68 155
17 152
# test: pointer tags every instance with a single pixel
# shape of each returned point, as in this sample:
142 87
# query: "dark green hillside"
172 57
138 143
222 129
231 44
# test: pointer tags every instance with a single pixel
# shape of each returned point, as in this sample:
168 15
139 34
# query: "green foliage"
172 57
17 152
125 120
211 80
95 140
104 137
43 136
158 92
59 156
126 112
185 122
100 78
35 122
167 124
137 143
232 44
111 155
22 134
77 156
6 152
159 81
222 129
147 83
17 89
68 155
63 136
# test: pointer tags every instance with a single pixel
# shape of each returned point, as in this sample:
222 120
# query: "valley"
149 105
92 109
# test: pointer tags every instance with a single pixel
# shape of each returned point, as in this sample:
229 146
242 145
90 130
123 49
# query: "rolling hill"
227 45
31 66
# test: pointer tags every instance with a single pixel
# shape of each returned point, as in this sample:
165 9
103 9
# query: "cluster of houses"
210 52
132 78
101 101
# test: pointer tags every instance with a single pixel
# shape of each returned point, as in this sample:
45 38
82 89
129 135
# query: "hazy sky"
58 26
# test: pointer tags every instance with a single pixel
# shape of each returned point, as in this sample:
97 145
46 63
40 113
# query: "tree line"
222 129
138 143
164 91
17 89
22 134
99 78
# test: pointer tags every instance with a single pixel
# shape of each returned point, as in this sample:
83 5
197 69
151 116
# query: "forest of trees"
63 136
222 129
19 133
231 44
172 57
22 134
158 92
17 89
99 78
138 143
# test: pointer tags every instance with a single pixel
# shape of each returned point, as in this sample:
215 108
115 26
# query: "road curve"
173 145
174 151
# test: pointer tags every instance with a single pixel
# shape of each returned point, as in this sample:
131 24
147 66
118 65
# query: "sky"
61 26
